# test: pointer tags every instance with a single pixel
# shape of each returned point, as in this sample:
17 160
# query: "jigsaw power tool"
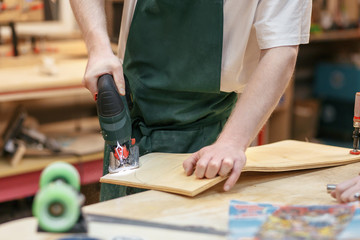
115 123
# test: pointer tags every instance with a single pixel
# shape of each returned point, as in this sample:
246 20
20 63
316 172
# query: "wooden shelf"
23 83
23 180
336 35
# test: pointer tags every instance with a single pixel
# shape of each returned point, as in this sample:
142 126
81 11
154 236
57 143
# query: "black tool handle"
109 101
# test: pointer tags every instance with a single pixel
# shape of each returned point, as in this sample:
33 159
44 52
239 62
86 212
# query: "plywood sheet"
164 171
295 155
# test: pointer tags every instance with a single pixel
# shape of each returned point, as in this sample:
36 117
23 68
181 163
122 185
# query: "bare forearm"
227 155
261 95
90 15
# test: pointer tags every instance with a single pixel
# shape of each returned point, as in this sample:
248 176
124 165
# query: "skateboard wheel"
56 207
63 171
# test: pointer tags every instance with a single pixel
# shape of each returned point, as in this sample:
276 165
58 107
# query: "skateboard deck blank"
164 171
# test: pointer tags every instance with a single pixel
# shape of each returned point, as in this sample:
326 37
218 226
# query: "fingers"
234 176
190 163
213 168
349 194
97 67
333 194
90 81
226 167
206 165
119 80
345 191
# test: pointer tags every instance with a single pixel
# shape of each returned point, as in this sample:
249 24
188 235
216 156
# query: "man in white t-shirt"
204 75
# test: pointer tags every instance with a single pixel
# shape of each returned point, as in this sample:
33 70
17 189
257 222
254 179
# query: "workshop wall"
327 74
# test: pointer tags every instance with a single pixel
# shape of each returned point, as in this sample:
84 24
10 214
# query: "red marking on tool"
95 96
124 152
354 152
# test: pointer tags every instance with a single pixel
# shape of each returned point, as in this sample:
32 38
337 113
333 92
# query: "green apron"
173 65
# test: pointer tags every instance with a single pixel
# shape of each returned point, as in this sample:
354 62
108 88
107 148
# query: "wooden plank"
296 155
164 172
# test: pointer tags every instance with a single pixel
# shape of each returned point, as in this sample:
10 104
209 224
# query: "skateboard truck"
356 124
57 204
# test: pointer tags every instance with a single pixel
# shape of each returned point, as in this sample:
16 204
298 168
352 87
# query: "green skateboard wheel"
56 207
60 170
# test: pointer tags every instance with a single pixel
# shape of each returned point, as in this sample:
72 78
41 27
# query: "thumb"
333 194
119 81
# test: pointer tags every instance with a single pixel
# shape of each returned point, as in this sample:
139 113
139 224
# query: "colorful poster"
260 221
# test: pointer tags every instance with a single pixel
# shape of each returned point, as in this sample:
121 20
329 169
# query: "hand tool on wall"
18 137
356 124
115 123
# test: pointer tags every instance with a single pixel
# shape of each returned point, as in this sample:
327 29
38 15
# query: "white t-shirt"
249 26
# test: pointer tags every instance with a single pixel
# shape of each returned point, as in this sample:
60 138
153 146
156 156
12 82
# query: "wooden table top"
209 209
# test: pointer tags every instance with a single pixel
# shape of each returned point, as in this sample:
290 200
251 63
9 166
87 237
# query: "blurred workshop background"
47 115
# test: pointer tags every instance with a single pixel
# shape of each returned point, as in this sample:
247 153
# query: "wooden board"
164 172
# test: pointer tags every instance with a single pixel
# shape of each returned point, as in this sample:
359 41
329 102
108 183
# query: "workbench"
209 209
23 180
